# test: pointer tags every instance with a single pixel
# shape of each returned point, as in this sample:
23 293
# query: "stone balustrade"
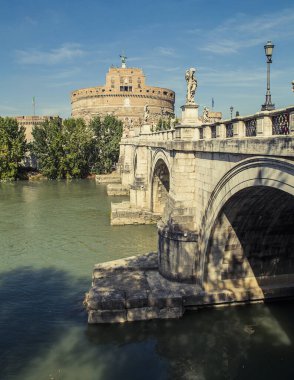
261 124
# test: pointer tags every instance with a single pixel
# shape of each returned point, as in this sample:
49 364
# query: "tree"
78 141
47 146
105 146
13 147
62 149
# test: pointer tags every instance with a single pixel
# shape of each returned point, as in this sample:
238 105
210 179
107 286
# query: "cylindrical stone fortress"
125 96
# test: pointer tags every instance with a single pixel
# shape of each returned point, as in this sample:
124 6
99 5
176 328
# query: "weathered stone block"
138 299
107 316
141 314
171 312
164 299
105 299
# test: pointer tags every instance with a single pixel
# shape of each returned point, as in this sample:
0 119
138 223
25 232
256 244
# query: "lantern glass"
269 49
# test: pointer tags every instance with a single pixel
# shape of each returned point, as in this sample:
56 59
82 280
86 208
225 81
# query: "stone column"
177 241
264 124
139 185
291 122
221 131
239 128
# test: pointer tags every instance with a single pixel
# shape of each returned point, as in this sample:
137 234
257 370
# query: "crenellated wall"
124 95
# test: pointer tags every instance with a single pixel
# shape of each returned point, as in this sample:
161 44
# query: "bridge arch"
246 236
160 182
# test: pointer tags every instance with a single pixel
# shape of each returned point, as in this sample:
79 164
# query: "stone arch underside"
160 186
250 243
252 240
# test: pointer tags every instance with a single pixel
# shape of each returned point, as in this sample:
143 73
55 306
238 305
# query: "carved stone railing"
229 130
261 124
281 124
250 127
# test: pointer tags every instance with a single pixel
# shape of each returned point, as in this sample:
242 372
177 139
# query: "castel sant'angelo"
126 96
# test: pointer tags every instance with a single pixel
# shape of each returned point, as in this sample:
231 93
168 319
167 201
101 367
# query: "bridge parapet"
262 124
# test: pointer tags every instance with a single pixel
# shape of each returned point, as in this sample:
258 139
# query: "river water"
52 233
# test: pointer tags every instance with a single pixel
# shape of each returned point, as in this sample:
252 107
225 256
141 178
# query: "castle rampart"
124 95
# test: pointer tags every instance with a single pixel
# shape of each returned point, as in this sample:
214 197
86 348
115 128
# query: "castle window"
164 93
147 90
139 85
126 88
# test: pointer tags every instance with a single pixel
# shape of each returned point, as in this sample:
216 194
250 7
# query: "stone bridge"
223 196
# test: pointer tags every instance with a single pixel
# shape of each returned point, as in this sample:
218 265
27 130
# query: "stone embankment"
114 186
132 289
108 178
124 213
117 190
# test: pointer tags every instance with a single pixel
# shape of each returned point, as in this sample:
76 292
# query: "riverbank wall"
132 289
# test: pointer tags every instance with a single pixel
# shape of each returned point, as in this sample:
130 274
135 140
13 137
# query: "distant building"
125 96
31 121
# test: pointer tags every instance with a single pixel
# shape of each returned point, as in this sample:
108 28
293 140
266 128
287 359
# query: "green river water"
51 235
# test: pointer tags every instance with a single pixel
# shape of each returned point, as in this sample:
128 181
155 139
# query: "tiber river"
52 233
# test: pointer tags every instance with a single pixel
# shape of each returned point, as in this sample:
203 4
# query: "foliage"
163 125
72 149
12 148
62 149
105 146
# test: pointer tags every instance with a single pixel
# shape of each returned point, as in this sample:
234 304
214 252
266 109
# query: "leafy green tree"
47 146
105 145
159 125
62 149
78 139
13 147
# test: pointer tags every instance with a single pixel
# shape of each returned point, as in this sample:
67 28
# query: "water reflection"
43 329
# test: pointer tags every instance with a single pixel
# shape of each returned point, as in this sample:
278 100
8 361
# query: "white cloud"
243 31
167 51
36 57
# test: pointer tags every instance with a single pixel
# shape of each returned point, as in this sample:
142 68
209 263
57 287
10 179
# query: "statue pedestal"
190 115
145 129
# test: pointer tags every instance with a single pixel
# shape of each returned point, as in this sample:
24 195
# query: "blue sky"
50 48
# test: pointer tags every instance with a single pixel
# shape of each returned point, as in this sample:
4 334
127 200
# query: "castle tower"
124 95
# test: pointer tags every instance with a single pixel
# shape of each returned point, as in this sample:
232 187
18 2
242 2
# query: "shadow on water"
44 335
228 343
36 306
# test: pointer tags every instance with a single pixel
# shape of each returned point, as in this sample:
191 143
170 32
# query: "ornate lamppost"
268 105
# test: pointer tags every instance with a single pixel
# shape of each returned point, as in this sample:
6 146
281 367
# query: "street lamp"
231 109
268 105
